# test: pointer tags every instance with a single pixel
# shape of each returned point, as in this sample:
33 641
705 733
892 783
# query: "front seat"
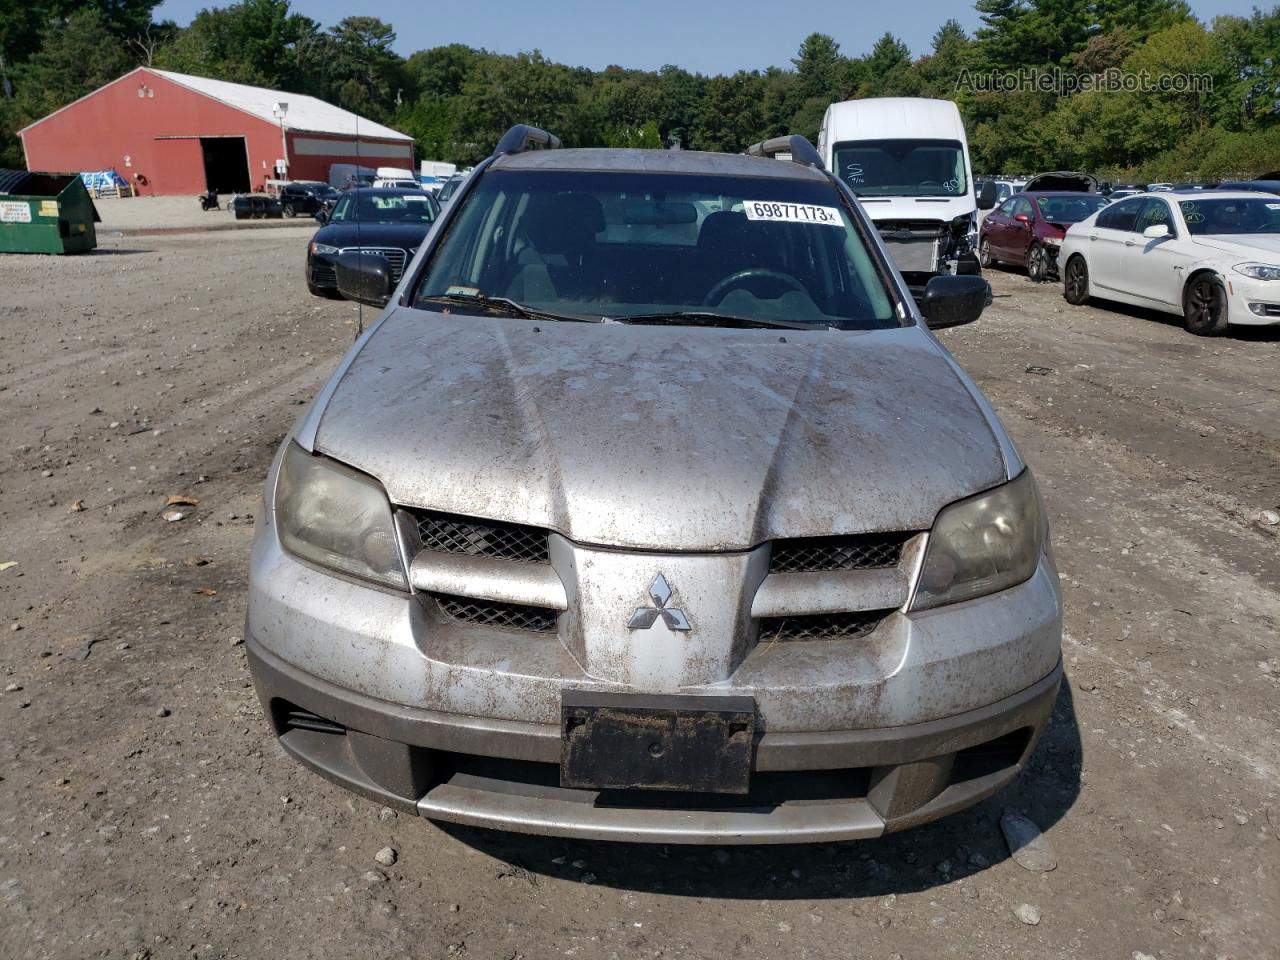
558 261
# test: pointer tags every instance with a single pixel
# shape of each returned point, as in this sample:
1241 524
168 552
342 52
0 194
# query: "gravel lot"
146 812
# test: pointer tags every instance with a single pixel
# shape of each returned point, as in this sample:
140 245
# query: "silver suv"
650 509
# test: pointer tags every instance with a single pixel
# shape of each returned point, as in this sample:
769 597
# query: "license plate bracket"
611 741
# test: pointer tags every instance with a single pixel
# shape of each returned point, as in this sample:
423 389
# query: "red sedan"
1027 229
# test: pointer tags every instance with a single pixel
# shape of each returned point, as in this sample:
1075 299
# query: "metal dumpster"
45 213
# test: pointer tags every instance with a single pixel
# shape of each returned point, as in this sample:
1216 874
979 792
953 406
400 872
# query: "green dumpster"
45 213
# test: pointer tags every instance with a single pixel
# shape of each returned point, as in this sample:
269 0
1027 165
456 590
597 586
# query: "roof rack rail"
801 150
523 137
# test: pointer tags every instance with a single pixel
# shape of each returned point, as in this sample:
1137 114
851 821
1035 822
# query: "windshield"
1220 216
384 206
1071 209
902 168
630 244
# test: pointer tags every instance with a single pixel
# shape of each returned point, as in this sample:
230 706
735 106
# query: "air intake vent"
821 626
865 551
482 538
290 717
494 613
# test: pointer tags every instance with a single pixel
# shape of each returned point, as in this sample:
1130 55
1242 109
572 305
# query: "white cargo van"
907 159
438 169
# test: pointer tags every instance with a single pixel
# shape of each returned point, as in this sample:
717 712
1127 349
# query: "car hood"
657 437
1242 244
944 209
1063 180
403 235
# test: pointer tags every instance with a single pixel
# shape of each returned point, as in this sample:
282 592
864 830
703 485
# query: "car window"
1156 212
617 244
1021 205
910 168
1123 215
1069 209
384 206
1256 215
1006 208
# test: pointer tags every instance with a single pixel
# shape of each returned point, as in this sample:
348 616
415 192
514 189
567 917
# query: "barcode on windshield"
791 212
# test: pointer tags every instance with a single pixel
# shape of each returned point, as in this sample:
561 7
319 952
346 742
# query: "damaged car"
651 509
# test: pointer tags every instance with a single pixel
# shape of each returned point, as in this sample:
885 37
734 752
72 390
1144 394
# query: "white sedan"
1212 257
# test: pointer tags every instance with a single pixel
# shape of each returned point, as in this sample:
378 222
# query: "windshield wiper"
509 305
705 318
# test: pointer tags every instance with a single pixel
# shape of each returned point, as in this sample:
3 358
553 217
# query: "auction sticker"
15 211
791 212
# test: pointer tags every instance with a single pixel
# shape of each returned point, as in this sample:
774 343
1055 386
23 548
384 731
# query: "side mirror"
365 278
321 215
987 198
1022 218
949 301
1157 231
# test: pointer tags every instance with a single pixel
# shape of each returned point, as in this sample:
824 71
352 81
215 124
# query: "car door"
1154 268
1114 228
1021 229
998 225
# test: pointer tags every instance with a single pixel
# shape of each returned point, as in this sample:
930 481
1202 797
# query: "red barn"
170 133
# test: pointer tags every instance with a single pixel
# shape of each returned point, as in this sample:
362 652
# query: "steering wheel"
717 293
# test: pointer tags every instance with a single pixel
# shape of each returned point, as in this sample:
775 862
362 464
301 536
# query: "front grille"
821 626
866 551
495 613
482 538
395 255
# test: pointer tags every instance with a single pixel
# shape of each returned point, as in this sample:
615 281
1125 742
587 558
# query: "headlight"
322 248
983 544
334 516
1259 271
1053 241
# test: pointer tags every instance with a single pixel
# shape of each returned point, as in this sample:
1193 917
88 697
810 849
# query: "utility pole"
282 108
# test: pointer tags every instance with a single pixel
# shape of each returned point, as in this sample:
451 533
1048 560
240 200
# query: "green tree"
362 72
731 118
680 95
75 57
503 91
442 71
817 64
254 42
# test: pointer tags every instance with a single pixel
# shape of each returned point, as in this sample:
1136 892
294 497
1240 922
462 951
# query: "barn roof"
304 114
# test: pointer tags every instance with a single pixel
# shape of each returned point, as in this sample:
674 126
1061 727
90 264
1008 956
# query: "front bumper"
1252 302
931 712
808 787
322 271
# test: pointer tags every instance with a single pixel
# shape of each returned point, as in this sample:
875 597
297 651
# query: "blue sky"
711 36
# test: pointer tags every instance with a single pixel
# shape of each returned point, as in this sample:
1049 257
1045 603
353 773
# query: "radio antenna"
359 228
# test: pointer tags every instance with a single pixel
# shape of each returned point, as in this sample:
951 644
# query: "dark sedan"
305 197
1027 229
383 221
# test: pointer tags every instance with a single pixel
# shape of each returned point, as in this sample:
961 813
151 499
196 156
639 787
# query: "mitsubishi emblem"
645 617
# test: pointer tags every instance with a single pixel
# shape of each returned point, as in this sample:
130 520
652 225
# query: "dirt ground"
145 810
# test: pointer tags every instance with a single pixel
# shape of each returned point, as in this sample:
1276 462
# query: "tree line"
456 100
